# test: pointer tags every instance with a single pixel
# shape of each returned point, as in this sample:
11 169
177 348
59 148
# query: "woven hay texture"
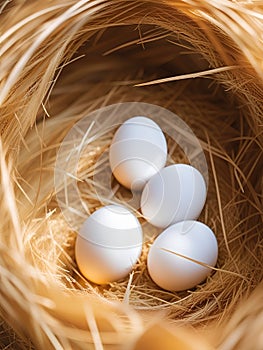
60 60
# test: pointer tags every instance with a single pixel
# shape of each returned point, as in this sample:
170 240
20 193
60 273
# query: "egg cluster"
172 197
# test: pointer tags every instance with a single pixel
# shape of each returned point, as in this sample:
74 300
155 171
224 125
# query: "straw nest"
61 60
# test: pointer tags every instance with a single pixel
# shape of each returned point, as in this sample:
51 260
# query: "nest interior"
95 61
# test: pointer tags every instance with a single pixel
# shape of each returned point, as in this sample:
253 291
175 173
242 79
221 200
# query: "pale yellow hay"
62 60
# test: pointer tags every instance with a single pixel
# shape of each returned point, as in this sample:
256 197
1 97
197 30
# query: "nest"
63 60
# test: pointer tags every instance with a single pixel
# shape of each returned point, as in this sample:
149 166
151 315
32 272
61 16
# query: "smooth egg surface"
175 193
109 244
137 152
168 259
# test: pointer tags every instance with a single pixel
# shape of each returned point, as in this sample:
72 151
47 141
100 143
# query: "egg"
175 193
137 152
191 239
108 244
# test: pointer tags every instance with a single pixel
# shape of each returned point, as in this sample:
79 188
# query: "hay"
60 61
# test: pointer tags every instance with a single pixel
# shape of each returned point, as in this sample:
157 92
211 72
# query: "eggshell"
108 244
137 152
175 193
189 239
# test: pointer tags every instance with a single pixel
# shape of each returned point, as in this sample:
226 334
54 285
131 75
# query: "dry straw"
61 60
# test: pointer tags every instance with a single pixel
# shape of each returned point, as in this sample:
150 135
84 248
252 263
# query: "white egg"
176 193
137 152
108 244
191 239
